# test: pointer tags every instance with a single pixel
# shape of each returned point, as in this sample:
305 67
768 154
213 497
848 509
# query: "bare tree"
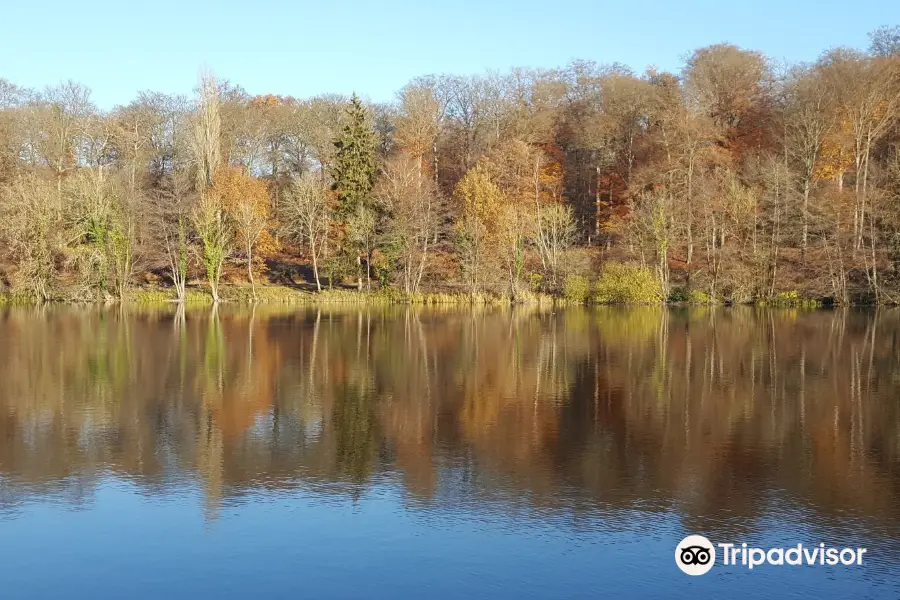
174 219
32 226
306 216
885 41
807 123
206 142
413 211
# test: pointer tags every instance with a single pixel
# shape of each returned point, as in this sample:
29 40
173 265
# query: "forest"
737 179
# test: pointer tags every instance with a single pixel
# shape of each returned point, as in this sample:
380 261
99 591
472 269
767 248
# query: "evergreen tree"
353 173
353 170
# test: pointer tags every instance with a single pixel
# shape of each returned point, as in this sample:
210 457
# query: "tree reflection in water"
714 413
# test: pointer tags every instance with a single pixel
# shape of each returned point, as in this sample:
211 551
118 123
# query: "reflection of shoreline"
706 412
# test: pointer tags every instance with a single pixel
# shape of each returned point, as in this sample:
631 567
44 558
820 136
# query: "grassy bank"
616 284
578 291
274 294
150 297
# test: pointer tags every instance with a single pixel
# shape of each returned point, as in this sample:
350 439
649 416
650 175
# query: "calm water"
406 453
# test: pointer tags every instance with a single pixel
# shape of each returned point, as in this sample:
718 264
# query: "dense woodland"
736 179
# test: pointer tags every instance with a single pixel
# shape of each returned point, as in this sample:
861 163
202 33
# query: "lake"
398 453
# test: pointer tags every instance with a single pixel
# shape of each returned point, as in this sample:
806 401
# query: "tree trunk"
315 264
690 212
250 270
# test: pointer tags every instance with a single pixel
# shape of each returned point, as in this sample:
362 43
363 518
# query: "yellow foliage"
551 182
627 284
835 157
246 201
480 197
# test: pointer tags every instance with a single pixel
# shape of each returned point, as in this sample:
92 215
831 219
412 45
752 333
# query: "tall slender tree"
353 172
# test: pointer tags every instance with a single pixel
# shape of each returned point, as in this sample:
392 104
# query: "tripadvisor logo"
696 555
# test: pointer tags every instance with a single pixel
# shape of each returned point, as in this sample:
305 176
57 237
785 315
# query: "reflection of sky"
304 543
448 481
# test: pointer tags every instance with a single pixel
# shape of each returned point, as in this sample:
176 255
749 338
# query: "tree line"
735 179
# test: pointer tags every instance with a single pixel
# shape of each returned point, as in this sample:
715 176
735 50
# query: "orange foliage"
836 156
243 198
267 101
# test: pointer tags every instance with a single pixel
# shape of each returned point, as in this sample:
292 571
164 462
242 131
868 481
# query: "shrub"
576 288
678 295
699 297
685 296
790 299
627 284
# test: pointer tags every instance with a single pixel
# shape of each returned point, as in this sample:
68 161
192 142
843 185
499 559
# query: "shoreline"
279 294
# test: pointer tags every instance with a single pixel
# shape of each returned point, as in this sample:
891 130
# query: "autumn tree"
32 227
734 176
479 202
104 235
413 212
245 201
866 98
419 124
807 124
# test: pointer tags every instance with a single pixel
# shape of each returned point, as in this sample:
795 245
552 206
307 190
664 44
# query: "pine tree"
354 172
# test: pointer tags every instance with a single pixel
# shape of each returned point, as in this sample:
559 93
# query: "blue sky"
305 48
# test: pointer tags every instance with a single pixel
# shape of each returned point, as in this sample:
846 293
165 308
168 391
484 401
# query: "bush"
699 297
678 295
627 284
685 296
535 281
576 288
790 299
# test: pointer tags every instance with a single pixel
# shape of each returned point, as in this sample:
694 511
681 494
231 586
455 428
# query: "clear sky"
302 48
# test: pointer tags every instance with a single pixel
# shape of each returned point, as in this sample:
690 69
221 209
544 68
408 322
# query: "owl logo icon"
695 555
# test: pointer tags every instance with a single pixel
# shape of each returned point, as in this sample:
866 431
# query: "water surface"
399 453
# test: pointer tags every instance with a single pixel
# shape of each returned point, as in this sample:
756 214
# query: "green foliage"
792 299
353 173
894 252
384 263
627 284
13 299
678 295
354 169
152 296
535 281
216 234
576 288
339 266
684 296
699 297
120 248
